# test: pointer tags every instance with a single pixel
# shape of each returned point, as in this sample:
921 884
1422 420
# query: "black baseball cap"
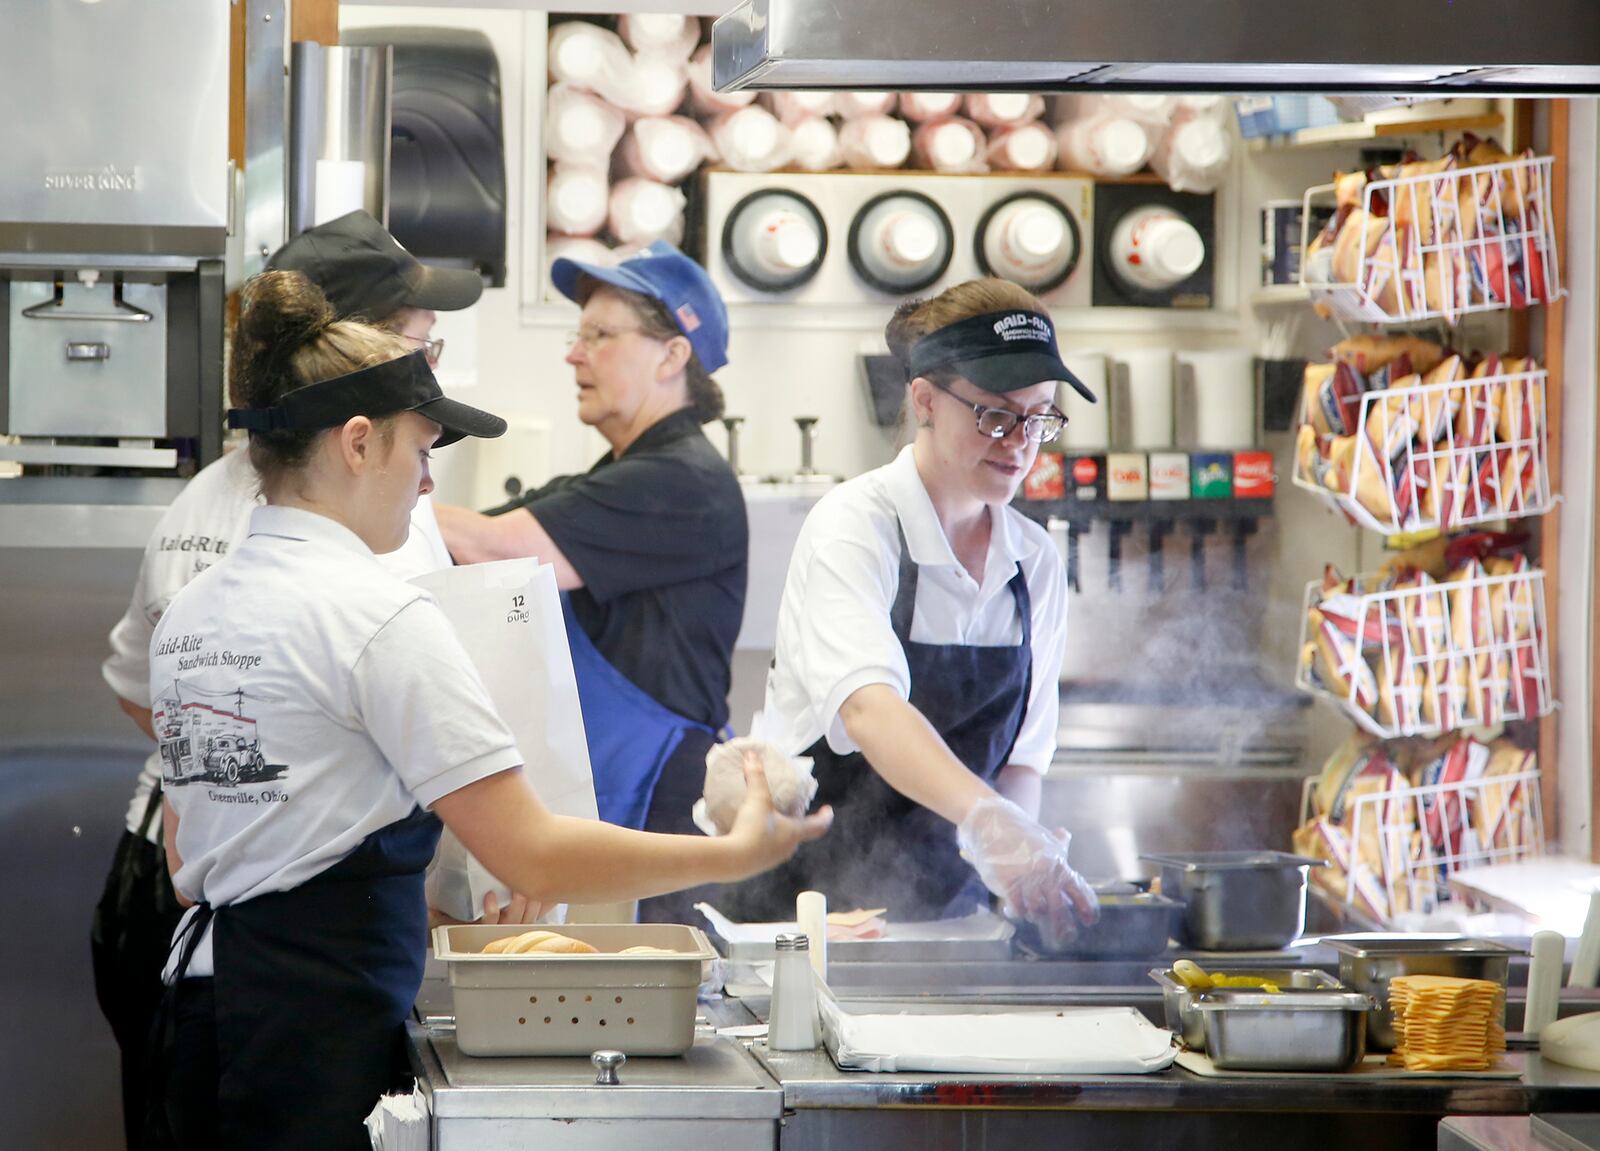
364 271
404 384
998 351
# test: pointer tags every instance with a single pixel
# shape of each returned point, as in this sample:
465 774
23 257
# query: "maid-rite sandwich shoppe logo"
106 179
1022 326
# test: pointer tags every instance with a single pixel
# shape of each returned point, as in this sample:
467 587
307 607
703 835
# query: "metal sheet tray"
976 939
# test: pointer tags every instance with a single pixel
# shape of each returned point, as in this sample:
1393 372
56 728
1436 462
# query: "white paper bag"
508 615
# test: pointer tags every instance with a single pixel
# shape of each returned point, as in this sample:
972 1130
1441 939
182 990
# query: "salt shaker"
792 1020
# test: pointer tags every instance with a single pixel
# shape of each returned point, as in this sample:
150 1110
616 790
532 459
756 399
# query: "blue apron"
885 850
311 993
631 737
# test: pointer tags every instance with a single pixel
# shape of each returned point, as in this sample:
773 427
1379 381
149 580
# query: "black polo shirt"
661 541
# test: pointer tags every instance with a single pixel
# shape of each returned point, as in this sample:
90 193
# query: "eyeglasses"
595 336
998 423
433 349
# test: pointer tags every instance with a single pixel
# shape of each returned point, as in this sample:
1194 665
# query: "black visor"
999 352
405 384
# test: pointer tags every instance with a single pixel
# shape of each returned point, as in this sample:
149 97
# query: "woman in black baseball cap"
920 639
363 272
319 723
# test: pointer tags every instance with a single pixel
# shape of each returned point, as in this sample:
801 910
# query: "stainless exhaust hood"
1413 47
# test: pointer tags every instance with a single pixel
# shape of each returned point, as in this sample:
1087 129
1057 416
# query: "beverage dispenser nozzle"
1159 531
1074 584
732 424
1197 550
1242 531
1119 529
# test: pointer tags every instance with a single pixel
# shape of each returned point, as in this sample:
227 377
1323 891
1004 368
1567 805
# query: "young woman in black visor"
920 640
354 724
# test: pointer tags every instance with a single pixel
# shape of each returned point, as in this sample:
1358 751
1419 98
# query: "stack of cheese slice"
1447 1024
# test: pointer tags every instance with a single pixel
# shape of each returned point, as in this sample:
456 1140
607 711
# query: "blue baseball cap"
663 273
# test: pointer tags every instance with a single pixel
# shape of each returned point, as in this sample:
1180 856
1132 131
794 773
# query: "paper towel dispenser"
447 171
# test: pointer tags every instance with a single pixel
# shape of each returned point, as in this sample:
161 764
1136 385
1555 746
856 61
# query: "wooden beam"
314 20
1550 523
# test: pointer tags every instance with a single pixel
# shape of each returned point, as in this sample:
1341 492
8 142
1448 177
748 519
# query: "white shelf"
1280 295
1401 124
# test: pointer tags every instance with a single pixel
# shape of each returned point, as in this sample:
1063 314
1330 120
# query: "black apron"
311 991
885 850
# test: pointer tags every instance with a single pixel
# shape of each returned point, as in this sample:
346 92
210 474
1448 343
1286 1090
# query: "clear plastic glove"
1027 867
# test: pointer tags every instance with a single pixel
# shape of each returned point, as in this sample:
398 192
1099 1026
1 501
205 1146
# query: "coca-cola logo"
1252 469
1085 471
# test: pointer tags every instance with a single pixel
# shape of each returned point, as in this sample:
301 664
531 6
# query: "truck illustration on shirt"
201 741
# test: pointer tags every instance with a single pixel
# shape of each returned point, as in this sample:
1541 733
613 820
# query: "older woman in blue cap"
649 545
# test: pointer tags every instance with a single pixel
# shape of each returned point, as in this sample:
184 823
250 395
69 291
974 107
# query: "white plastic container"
543 1004
1030 147
584 55
950 144
900 242
794 107
661 32
576 199
643 211
1194 155
1144 386
1104 145
920 106
994 109
851 105
815 144
875 142
1154 248
751 140
651 85
774 240
1089 429
666 149
1029 240
580 128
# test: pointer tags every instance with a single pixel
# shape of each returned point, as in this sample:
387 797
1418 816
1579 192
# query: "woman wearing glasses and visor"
920 641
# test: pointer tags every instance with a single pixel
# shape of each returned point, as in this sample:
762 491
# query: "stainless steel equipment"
1131 926
1367 965
715 1095
1144 45
1184 1019
1260 1031
114 213
1237 900
953 238
339 132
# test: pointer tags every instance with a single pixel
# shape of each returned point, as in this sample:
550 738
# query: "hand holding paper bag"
508 615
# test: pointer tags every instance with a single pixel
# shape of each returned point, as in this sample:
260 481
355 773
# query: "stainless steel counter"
737 1094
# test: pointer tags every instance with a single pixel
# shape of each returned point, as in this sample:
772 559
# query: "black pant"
193 1072
135 921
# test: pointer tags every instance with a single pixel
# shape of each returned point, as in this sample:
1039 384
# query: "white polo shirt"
210 516
340 693
834 629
